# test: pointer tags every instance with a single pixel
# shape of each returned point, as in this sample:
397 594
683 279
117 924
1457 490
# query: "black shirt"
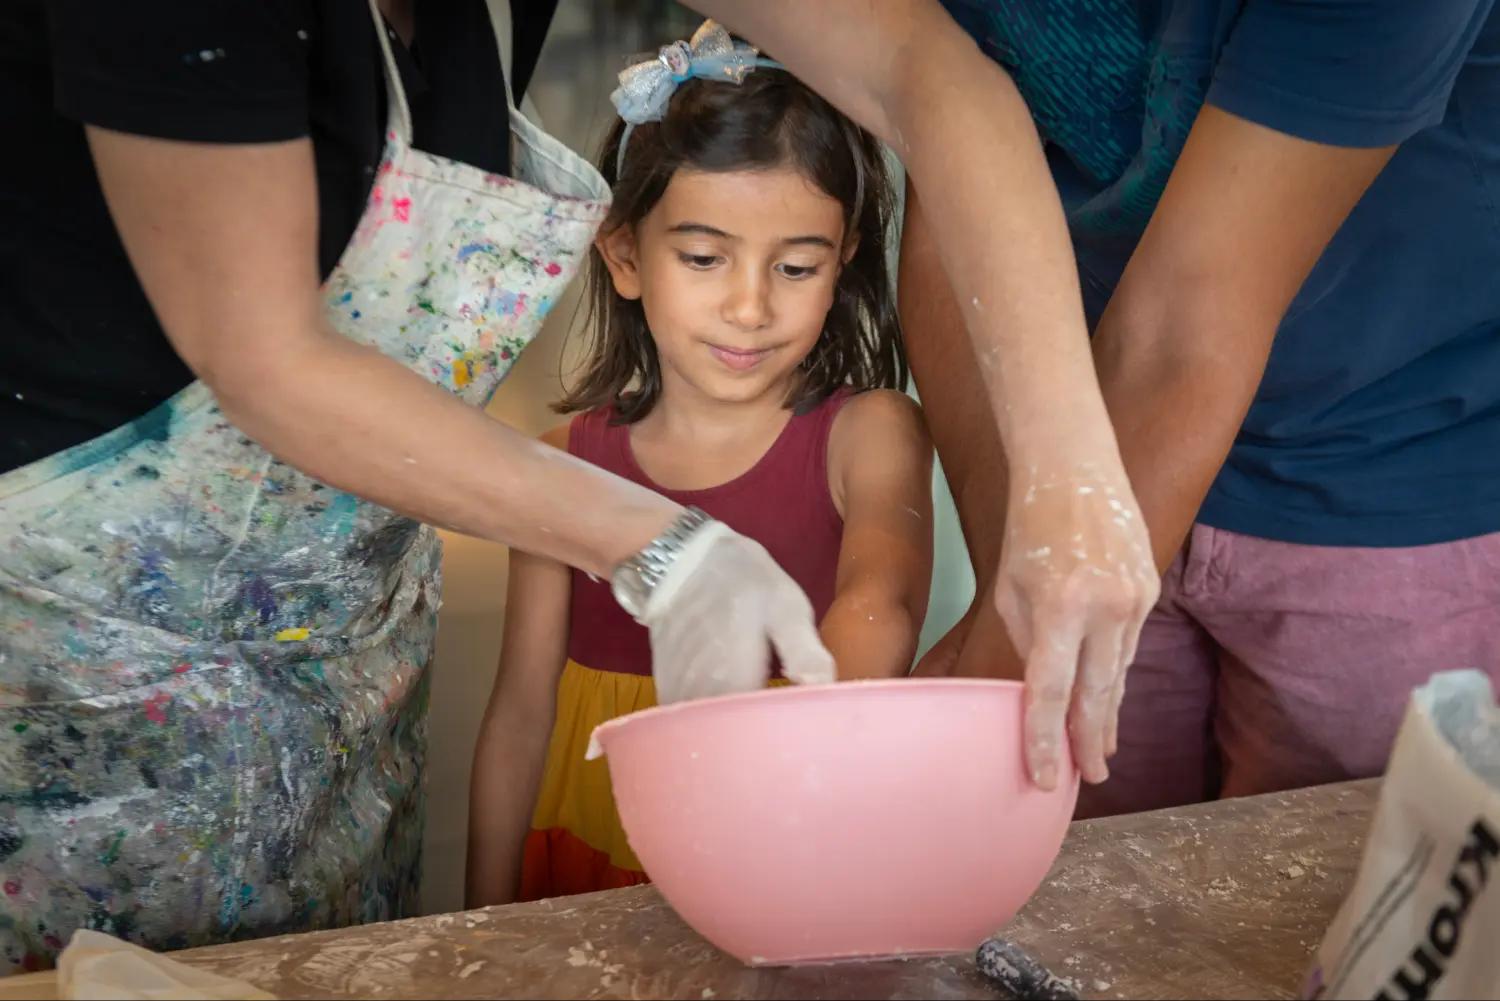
81 351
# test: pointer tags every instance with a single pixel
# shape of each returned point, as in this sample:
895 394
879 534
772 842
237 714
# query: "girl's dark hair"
769 120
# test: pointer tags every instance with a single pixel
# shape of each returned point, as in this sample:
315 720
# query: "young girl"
746 361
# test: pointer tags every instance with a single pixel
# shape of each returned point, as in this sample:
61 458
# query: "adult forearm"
362 423
1176 411
222 238
954 397
1011 269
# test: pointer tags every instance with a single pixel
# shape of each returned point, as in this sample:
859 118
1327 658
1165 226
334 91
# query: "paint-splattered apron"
213 669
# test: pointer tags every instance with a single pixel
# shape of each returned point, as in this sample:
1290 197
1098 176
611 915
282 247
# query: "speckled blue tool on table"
1015 971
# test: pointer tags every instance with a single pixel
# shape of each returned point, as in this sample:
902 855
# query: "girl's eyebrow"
811 239
703 229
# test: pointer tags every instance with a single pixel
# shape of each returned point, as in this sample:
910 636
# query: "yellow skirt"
576 843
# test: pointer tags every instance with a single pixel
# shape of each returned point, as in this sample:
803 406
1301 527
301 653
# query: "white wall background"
590 41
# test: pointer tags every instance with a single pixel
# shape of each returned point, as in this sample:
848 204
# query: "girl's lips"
738 360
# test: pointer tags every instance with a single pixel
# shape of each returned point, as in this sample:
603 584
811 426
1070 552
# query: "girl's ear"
850 246
619 250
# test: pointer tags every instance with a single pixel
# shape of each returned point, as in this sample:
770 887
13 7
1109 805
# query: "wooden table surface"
1222 900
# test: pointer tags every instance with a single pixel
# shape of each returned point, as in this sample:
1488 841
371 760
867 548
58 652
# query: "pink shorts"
1271 665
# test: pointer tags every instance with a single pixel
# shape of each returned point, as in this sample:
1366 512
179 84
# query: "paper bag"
1423 920
95 967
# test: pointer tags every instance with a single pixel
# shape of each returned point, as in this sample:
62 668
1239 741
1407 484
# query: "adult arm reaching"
223 238
1074 580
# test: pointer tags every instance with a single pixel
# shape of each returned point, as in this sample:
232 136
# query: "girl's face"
736 273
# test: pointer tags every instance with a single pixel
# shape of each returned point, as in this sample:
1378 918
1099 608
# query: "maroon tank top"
782 502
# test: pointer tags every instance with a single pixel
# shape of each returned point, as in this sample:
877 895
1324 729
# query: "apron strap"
395 93
500 21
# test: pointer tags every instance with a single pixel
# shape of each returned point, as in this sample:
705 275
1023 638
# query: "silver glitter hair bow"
647 87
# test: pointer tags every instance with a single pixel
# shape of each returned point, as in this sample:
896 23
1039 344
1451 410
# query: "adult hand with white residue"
1041 492
1075 584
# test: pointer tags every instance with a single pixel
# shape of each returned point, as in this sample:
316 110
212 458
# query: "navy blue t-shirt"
1378 420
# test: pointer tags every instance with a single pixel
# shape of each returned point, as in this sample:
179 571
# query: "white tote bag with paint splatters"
1423 920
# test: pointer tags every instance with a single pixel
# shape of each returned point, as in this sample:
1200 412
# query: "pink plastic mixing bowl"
858 820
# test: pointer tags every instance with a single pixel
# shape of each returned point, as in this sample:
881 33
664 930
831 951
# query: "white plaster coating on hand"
1074 610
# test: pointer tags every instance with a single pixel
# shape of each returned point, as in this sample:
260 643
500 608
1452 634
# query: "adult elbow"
265 370
240 389
1197 334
